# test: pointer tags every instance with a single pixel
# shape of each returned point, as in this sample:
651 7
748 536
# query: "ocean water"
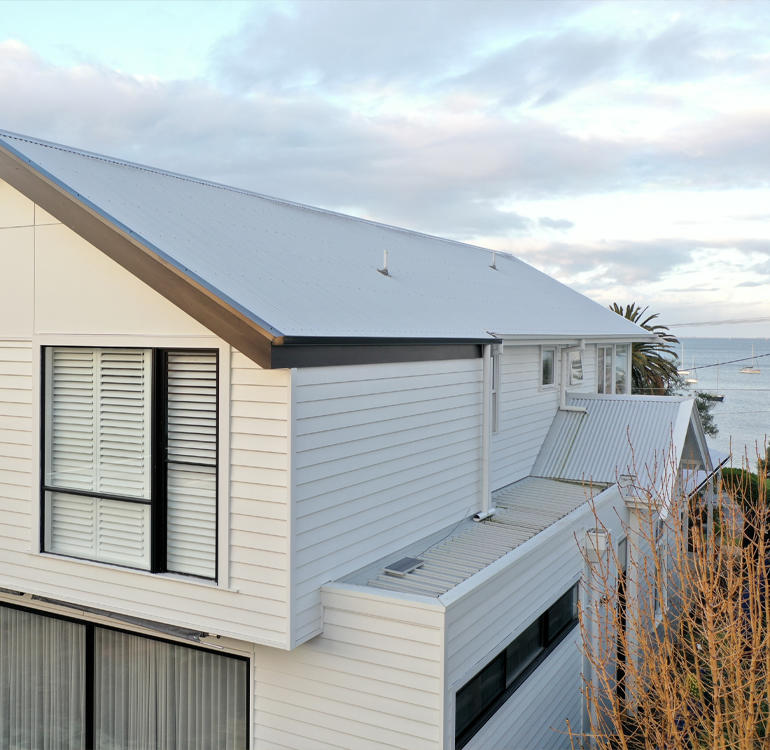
743 418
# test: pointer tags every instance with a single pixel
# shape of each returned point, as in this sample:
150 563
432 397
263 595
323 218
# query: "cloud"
632 263
754 283
549 223
338 45
542 69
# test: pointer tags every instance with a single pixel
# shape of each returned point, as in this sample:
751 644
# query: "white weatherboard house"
223 428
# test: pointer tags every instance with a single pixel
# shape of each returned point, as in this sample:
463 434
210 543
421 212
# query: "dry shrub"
693 641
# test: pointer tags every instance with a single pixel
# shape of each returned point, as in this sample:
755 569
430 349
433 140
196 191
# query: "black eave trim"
300 351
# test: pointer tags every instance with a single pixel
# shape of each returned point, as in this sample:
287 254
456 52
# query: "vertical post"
486 426
594 550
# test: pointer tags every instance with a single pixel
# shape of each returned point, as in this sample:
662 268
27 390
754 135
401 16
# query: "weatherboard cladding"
617 435
525 508
300 271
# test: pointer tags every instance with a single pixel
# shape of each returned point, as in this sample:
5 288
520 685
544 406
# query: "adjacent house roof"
245 263
525 508
639 435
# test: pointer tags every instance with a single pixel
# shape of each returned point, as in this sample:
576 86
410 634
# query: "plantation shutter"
191 462
98 423
125 392
71 411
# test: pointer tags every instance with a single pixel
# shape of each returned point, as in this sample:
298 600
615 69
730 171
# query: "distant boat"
753 370
692 380
681 360
716 396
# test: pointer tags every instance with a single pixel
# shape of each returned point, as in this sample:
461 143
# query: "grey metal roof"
525 508
617 435
301 271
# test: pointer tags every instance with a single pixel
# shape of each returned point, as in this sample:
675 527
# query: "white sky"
622 147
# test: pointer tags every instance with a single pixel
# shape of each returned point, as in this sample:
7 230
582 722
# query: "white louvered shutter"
98 412
191 476
71 418
125 392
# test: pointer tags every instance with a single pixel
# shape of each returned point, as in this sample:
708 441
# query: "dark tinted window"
561 614
523 651
486 691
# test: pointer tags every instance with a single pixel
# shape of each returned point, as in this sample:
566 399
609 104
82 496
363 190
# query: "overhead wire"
720 322
733 361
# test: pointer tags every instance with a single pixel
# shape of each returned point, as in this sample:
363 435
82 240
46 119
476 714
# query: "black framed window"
74 685
478 700
129 444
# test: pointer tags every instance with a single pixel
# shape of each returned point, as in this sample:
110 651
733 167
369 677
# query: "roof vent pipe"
482 515
493 264
384 270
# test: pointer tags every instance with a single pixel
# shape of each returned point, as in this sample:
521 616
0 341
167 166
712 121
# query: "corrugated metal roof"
617 435
525 508
301 271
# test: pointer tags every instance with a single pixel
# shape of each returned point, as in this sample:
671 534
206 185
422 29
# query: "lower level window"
69 685
486 691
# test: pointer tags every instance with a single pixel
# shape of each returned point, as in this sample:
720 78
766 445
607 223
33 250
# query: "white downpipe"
486 426
563 374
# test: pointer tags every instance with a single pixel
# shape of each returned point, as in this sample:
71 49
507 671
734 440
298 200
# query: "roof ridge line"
244 191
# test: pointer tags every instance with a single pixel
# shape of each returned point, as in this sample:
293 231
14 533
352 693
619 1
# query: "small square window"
548 366
575 368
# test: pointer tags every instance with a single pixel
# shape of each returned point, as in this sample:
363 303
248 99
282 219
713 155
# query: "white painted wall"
527 410
373 680
383 455
56 289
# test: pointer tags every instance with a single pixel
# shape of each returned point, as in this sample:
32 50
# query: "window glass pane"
562 613
476 695
523 651
548 366
70 430
621 367
575 368
96 528
98 420
150 695
600 370
42 682
191 472
97 440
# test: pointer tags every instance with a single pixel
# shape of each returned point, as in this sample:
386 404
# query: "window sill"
176 577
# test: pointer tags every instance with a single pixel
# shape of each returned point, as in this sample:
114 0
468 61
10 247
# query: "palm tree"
653 367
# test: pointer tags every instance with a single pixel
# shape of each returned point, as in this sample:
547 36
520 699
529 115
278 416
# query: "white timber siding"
527 410
372 681
483 621
383 455
74 295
